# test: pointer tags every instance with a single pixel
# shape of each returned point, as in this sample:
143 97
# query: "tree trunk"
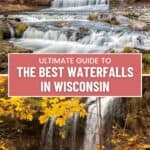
100 123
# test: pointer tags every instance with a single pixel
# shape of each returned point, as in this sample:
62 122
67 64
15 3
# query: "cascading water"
92 126
70 40
77 3
47 135
60 30
91 138
66 28
74 131
11 29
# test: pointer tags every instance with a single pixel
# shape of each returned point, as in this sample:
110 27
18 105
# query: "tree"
60 108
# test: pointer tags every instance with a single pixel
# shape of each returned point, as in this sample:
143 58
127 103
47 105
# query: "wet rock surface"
136 21
82 32
11 28
139 26
6 48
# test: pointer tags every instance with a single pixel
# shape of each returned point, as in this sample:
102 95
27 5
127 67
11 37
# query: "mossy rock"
20 29
62 24
6 48
1 35
93 16
146 58
4 32
146 63
114 2
114 21
129 50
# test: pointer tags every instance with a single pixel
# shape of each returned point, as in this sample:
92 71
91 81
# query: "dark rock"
6 48
82 33
108 18
11 26
70 33
18 19
4 31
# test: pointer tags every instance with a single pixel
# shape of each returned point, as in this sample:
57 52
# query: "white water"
47 46
74 131
91 138
47 135
44 37
118 41
12 32
33 33
92 126
77 3
59 41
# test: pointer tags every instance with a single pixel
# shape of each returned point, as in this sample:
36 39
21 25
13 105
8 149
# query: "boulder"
4 31
111 19
11 27
82 33
62 24
20 29
139 26
122 19
114 21
108 18
93 16
6 48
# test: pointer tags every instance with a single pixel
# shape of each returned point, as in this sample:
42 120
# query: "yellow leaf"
29 117
146 146
42 119
60 122
62 134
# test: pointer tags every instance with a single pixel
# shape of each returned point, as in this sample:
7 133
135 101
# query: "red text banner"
73 75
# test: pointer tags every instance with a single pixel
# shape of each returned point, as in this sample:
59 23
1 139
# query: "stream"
65 28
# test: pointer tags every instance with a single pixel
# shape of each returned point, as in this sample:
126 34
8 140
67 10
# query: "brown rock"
139 26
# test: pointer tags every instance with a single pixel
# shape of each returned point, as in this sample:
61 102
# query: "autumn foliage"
38 108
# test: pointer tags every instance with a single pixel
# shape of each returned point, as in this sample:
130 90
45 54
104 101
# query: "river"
65 28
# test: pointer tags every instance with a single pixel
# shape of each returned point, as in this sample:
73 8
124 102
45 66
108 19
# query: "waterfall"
102 40
33 33
92 126
47 135
48 35
119 40
74 131
11 29
91 138
77 3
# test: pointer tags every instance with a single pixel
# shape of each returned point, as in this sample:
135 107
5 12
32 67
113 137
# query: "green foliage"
114 2
1 34
146 58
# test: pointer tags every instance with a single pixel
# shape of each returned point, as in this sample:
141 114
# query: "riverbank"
7 8
7 47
